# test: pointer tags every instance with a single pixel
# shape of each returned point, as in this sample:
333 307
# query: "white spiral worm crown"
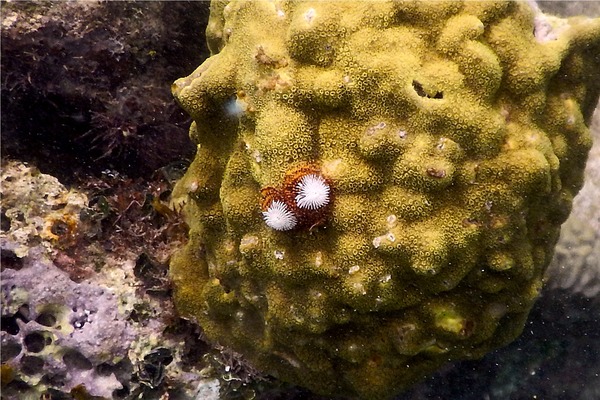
313 192
279 216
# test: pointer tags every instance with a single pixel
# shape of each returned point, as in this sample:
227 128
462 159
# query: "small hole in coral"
422 93
105 369
24 311
35 342
121 393
59 228
20 217
17 386
164 196
76 360
57 206
31 365
54 394
55 379
9 325
10 350
46 319
8 259
158 356
4 222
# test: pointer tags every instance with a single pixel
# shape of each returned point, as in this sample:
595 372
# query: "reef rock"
378 186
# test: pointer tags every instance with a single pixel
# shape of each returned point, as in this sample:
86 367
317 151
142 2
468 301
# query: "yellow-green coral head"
378 186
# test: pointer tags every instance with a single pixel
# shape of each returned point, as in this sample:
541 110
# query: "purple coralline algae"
64 330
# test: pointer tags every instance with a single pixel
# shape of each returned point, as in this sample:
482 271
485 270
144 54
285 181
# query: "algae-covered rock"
85 318
378 186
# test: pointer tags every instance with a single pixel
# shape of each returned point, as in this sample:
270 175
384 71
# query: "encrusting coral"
451 138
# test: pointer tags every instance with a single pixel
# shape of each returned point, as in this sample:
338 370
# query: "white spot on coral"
257 156
280 13
294 313
310 15
319 259
279 217
278 254
235 107
332 167
441 144
293 362
373 129
385 278
313 192
488 205
547 27
359 288
391 237
192 187
391 220
354 269
377 242
249 241
402 134
497 310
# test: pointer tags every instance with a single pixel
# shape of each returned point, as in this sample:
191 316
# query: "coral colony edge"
378 186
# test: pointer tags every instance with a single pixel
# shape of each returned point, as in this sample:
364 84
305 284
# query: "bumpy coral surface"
451 138
576 264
